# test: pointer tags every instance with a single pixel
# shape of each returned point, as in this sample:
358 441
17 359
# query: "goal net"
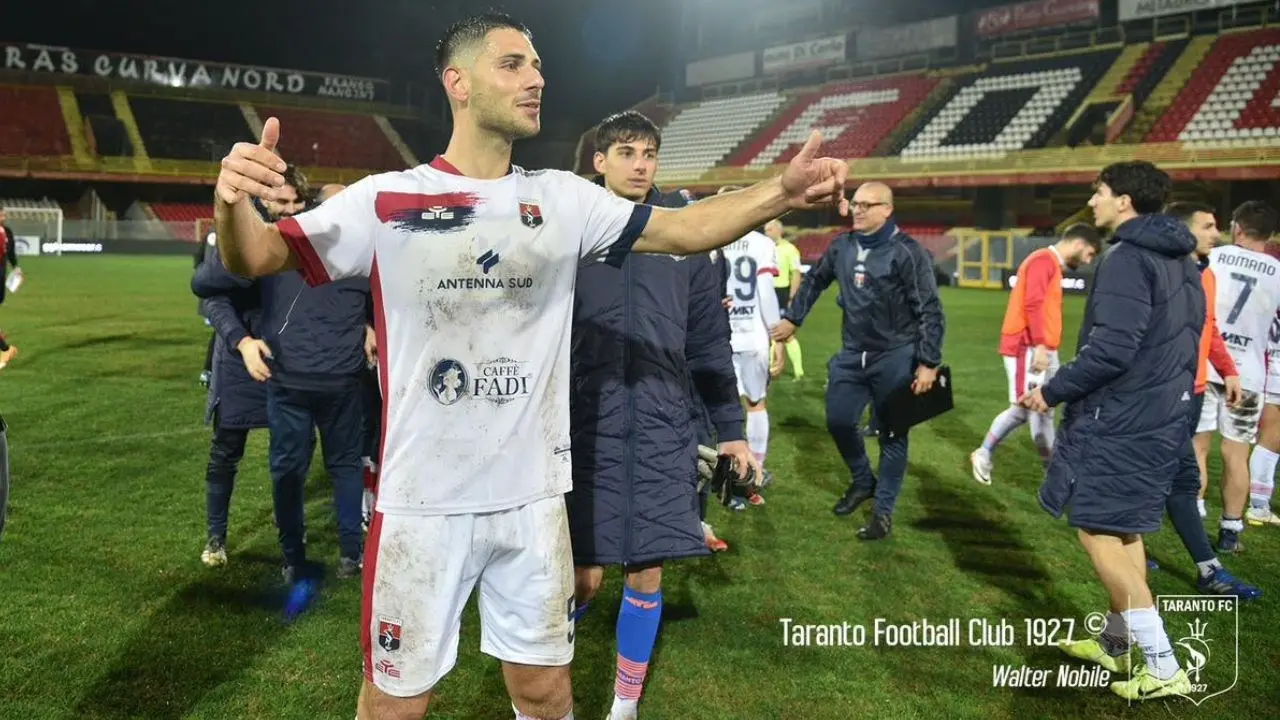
36 230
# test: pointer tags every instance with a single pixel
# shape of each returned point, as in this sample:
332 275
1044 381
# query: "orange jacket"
1034 314
1212 348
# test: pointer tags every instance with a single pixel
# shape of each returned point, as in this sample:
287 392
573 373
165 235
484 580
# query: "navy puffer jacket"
646 336
1129 389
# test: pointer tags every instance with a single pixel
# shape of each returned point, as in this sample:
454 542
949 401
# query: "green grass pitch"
106 611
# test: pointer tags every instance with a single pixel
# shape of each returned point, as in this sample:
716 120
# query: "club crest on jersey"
389 634
530 214
859 275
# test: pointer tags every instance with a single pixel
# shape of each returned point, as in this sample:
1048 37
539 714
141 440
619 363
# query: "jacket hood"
1163 234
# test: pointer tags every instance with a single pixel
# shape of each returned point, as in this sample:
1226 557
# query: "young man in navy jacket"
646 334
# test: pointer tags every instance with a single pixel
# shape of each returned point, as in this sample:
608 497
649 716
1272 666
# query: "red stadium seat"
31 122
316 138
182 212
1232 96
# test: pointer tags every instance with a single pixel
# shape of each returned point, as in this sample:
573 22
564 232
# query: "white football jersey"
753 264
472 283
1246 304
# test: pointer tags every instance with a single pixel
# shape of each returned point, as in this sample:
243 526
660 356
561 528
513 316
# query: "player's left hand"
743 458
811 181
727 302
1235 394
1034 401
925 377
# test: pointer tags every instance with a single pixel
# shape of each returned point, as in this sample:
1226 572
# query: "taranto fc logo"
530 214
1205 632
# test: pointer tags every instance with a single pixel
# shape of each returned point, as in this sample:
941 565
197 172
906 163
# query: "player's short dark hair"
294 176
627 126
1257 219
1147 186
1184 210
1085 232
470 30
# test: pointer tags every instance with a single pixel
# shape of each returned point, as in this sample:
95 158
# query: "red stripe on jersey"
313 270
375 526
1020 374
367 638
768 271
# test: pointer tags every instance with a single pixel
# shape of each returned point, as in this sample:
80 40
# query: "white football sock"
1006 422
1148 630
1262 477
758 433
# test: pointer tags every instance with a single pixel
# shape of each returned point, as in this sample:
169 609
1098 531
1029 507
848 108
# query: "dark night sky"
599 55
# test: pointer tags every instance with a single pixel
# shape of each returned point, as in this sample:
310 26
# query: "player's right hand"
254 352
783 331
251 169
1235 393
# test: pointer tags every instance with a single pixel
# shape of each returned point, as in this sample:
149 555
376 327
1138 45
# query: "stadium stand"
702 135
1232 97
418 137
853 118
1011 106
33 123
188 130
333 139
108 135
181 212
28 204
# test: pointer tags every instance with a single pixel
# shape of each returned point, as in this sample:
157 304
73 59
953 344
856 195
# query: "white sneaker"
623 709
980 459
1258 516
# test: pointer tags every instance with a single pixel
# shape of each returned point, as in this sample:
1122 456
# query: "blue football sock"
637 632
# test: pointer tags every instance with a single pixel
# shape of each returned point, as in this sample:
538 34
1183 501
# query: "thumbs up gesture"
811 181
251 169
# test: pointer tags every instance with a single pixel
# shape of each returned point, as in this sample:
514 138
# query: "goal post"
37 230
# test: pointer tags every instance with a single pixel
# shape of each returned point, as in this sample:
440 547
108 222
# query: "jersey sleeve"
610 224
336 239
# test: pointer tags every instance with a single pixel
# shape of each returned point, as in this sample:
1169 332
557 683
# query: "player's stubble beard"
500 116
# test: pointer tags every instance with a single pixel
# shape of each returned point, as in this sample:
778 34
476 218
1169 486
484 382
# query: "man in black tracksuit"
319 356
646 334
892 332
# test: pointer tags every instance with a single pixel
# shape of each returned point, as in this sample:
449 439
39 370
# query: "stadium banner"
908 39
1073 283
26 244
805 54
725 68
81 246
1145 9
177 73
1035 15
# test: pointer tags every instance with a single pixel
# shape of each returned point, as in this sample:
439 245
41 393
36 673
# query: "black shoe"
853 497
878 529
1229 542
870 431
